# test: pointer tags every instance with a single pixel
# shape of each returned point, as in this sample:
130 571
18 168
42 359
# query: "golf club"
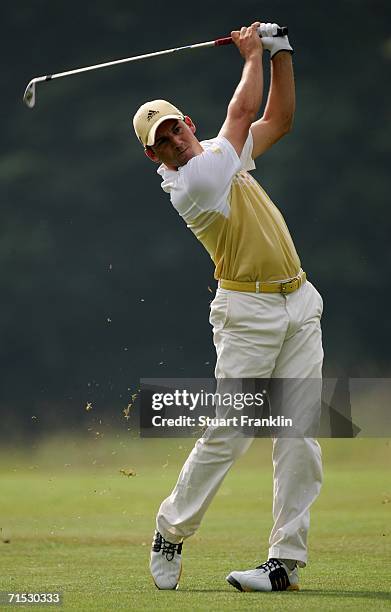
29 96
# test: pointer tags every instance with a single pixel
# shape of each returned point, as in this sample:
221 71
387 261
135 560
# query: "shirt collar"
169 177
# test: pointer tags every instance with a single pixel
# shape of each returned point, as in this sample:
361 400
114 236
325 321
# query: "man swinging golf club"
265 316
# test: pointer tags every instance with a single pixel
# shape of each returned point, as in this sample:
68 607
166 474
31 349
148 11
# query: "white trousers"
257 336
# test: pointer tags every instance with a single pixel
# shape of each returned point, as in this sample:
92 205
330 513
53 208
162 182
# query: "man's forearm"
248 95
280 106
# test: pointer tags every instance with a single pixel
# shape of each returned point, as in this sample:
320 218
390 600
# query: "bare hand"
248 40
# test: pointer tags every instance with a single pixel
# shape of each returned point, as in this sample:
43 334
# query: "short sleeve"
245 157
207 177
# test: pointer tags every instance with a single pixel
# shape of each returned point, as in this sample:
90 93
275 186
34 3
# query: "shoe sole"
237 585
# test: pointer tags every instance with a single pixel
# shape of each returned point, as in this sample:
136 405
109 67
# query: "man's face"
175 143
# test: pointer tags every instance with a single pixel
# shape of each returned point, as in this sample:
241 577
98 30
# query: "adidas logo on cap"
151 114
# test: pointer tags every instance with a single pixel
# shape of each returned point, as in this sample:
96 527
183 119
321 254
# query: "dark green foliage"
100 281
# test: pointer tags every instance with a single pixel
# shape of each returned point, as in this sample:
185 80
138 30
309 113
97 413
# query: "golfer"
265 315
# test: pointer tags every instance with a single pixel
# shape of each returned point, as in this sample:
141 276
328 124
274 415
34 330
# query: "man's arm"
280 107
245 102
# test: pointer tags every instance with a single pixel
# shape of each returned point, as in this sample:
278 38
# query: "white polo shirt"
229 212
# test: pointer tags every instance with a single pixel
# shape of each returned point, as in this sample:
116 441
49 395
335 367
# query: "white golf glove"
273 43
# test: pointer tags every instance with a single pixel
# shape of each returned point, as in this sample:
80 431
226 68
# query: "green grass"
77 525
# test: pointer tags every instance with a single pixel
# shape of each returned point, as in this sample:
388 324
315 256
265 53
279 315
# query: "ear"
151 154
190 124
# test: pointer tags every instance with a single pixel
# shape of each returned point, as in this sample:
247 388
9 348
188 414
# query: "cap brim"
152 131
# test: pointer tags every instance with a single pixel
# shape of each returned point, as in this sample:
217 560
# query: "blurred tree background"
101 283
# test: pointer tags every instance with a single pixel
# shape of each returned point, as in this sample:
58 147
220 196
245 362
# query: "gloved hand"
272 43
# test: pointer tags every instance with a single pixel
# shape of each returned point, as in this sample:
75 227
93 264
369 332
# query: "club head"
29 95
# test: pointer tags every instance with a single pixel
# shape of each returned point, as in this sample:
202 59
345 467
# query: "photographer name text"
235 421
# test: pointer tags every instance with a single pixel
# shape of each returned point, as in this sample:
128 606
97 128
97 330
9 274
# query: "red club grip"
223 41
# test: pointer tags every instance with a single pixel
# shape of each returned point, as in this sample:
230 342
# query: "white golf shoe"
165 563
274 575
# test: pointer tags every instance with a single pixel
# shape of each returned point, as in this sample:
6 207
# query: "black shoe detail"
279 579
235 583
277 576
168 548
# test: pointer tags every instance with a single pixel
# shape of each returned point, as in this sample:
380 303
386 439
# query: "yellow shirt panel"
253 242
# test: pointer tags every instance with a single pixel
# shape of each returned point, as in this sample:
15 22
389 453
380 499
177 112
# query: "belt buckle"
291 283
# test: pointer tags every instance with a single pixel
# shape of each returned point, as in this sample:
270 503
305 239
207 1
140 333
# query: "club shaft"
212 43
136 58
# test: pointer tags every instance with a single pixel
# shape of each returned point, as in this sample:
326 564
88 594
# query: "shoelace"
168 548
270 565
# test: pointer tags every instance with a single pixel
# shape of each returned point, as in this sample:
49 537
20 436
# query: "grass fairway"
72 522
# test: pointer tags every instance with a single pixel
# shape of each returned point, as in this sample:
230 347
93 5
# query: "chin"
182 161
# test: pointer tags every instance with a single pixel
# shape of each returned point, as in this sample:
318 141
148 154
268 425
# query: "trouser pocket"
219 310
